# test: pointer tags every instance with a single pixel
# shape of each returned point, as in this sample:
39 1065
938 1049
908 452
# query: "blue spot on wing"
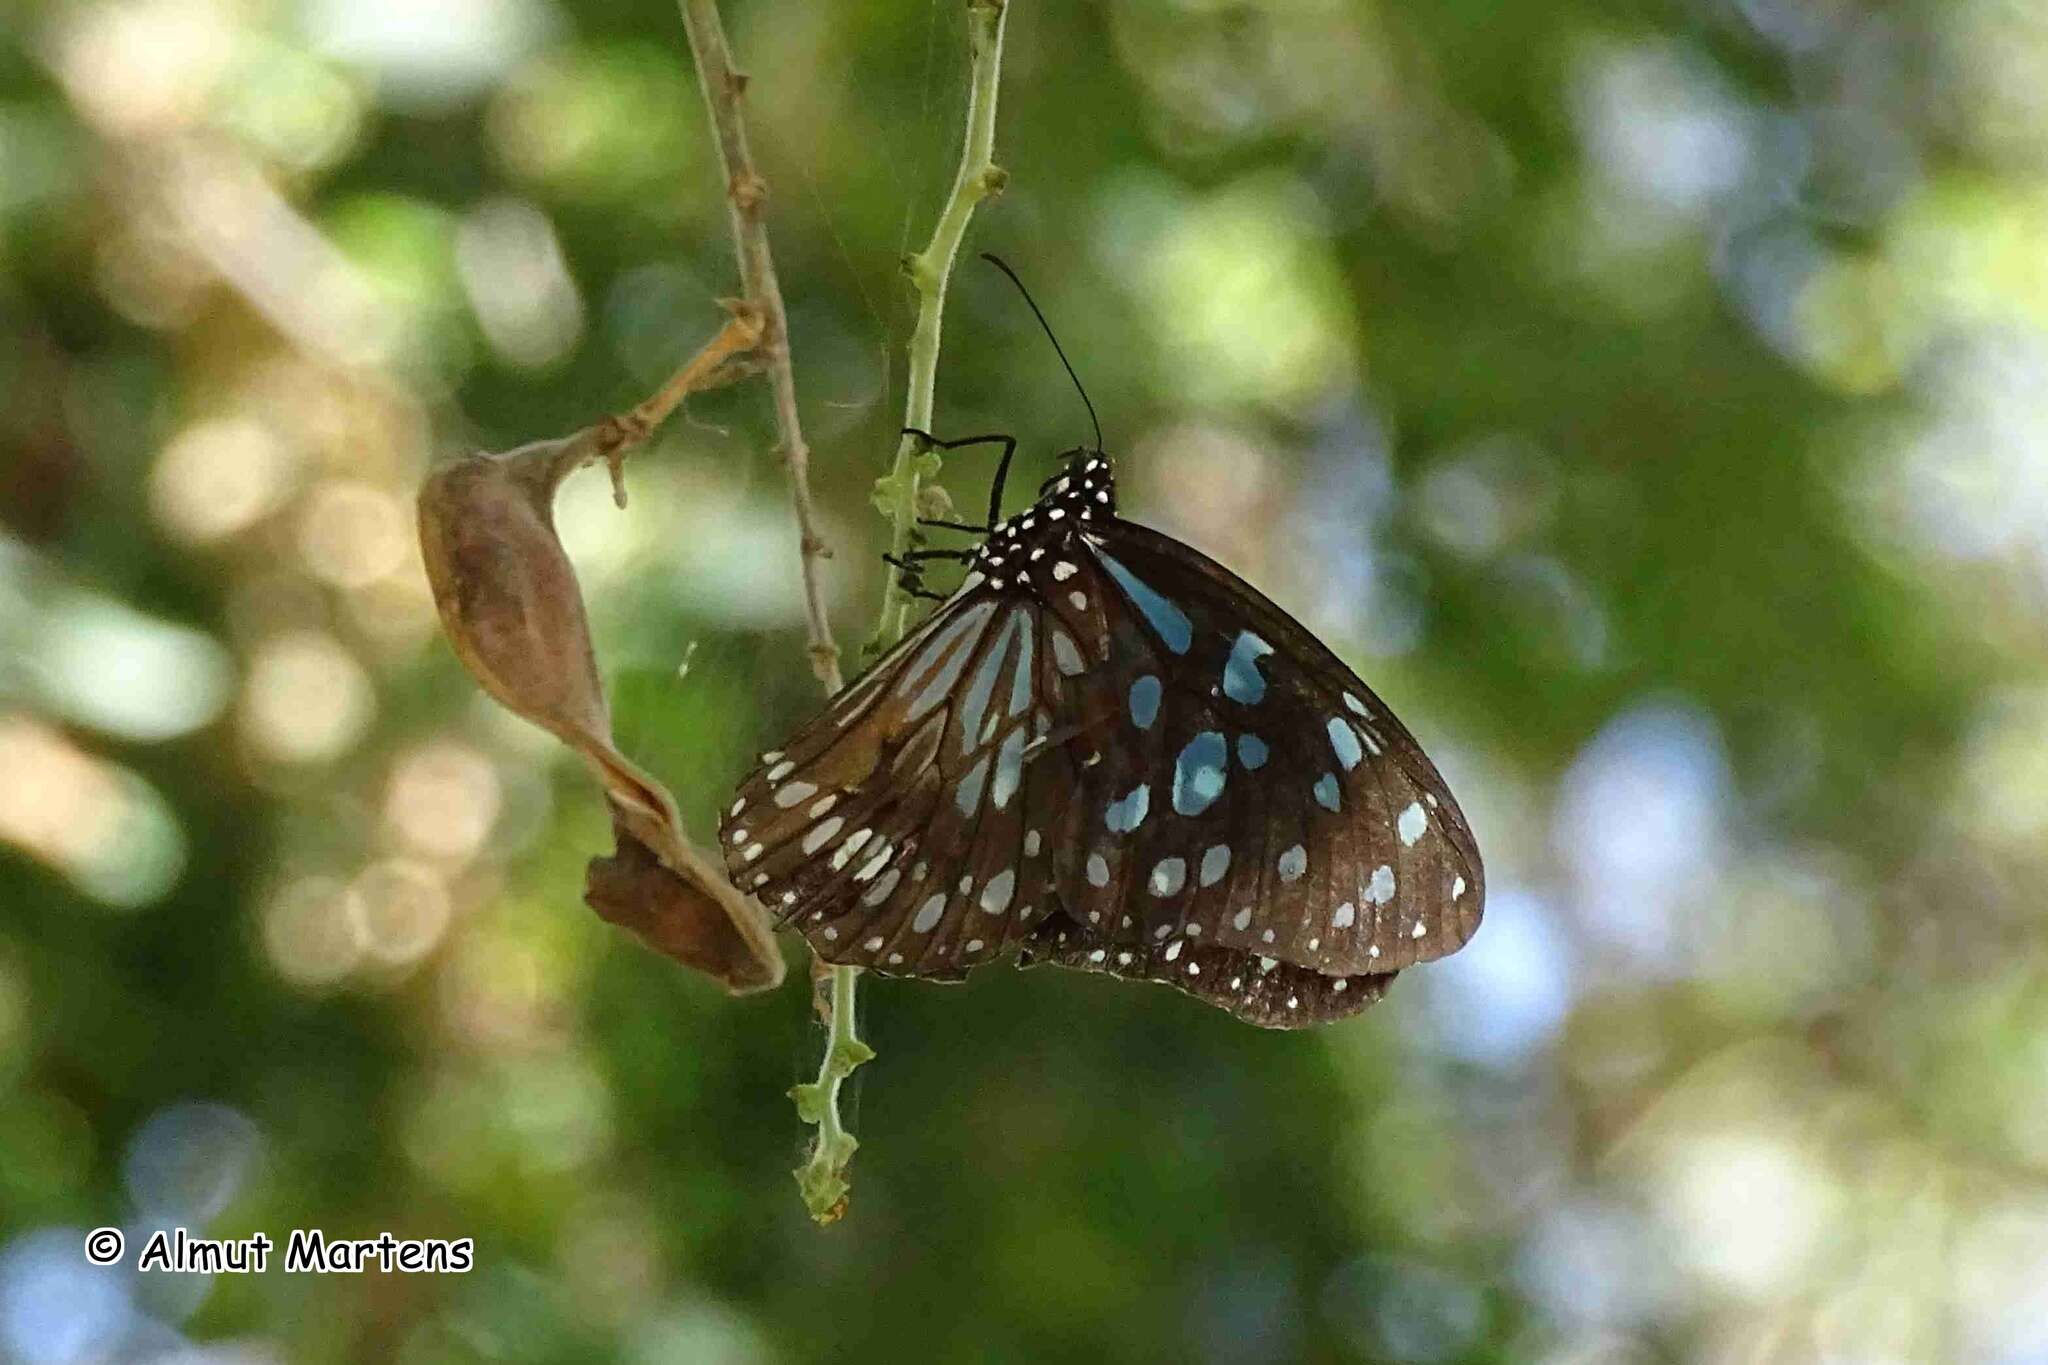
946 637
983 685
1241 678
1198 774
1145 701
1125 815
1161 614
1251 751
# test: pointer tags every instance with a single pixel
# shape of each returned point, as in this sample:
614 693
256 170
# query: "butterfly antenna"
1032 303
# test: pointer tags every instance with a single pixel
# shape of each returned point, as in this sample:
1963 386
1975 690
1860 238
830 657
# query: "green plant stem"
977 178
823 1176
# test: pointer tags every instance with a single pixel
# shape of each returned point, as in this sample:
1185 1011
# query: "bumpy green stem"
823 1176
977 178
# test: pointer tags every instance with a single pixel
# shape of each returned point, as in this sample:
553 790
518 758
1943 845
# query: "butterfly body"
1106 751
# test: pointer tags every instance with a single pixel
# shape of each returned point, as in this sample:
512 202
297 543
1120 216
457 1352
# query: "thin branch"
746 192
714 365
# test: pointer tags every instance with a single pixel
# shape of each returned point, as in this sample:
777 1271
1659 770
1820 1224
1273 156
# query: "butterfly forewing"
1109 750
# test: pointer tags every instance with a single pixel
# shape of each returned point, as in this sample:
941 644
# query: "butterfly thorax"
1012 555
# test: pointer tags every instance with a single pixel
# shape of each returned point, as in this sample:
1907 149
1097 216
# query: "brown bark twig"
746 193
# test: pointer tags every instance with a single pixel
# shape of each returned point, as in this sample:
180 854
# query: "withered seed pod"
512 610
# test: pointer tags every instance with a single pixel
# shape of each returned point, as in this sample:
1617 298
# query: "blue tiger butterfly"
1107 751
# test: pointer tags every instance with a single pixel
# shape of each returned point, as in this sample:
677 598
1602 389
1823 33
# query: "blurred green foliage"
1648 398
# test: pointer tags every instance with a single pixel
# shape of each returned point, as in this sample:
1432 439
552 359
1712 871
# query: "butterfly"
1106 751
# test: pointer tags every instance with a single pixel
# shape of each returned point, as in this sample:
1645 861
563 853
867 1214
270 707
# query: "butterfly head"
1080 494
1084 488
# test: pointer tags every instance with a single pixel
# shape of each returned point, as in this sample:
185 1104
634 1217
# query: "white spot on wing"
1215 862
1413 821
1344 741
1380 889
1066 654
1293 863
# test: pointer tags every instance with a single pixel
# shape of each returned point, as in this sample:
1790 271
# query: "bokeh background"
1650 399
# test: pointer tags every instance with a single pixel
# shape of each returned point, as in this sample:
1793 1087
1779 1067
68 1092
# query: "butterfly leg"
911 570
995 496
